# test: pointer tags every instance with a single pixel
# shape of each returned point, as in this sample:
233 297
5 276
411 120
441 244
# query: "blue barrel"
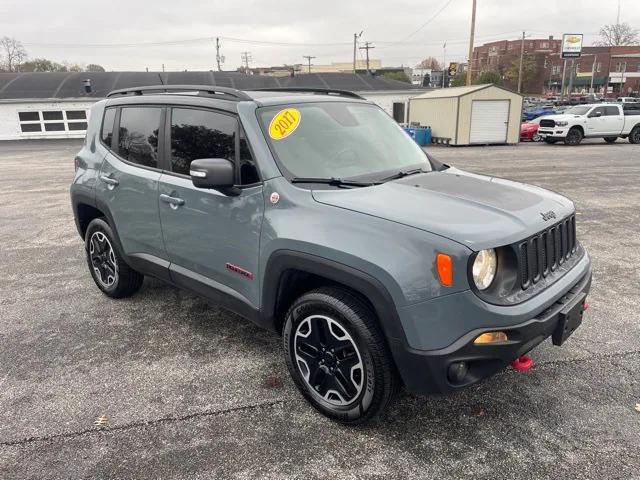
421 135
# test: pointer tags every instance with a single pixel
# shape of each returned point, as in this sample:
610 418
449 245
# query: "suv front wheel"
337 355
111 274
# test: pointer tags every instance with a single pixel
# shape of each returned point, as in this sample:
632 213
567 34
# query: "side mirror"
216 173
595 114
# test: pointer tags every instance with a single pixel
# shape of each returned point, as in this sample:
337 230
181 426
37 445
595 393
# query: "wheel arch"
289 274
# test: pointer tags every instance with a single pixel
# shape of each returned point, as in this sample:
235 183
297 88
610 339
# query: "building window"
621 66
598 67
544 45
53 121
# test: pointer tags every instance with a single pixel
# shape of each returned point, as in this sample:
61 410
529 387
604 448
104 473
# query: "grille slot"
547 123
543 253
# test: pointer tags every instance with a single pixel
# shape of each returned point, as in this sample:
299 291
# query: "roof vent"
87 85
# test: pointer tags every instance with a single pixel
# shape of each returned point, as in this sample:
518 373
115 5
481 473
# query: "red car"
529 131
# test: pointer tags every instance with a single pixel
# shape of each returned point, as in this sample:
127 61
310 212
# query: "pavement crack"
139 424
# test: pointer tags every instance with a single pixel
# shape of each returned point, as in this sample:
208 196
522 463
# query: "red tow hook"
585 306
523 363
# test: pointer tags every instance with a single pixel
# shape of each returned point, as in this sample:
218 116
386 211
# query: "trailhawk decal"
284 123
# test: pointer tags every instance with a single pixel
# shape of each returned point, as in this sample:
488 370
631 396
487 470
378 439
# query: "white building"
56 105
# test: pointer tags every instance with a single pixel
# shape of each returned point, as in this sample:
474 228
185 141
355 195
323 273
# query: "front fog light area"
484 268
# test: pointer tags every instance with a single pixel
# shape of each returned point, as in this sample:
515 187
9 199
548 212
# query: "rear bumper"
427 371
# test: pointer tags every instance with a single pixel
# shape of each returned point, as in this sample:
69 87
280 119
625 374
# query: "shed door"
489 121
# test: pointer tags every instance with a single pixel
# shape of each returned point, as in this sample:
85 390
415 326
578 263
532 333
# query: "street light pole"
355 48
444 56
473 30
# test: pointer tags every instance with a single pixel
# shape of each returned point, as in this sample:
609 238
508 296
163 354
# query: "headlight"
562 124
484 268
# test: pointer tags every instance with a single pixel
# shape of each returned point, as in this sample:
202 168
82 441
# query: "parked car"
529 130
628 100
538 112
605 120
377 264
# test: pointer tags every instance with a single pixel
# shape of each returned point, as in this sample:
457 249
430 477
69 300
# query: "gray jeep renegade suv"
314 215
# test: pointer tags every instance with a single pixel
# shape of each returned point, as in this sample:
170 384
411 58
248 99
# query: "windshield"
339 140
577 110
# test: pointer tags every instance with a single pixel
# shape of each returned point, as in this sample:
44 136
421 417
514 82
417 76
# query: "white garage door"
489 121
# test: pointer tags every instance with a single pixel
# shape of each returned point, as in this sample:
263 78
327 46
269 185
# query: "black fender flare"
282 260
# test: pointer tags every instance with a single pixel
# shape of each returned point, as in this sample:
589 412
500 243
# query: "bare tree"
617 34
12 54
429 63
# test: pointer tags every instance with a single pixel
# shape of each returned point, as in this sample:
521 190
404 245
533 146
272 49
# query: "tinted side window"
611 111
138 135
200 134
595 111
107 126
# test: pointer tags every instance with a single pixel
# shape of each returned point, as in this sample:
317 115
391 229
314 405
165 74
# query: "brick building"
500 55
616 70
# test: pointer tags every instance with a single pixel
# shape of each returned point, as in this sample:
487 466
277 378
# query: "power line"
431 19
246 58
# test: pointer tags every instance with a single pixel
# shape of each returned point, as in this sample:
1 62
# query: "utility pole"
308 57
356 36
367 47
564 72
218 58
246 58
444 56
163 67
473 30
521 61
618 17
593 72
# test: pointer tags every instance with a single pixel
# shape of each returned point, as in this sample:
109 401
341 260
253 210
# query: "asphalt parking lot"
191 391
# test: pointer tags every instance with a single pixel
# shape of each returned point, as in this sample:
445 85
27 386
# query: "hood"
474 210
563 117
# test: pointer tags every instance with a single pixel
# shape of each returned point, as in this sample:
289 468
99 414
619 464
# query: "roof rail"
318 91
202 90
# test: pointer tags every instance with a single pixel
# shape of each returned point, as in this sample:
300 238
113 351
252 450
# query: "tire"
574 137
536 137
550 141
634 136
332 341
610 139
108 269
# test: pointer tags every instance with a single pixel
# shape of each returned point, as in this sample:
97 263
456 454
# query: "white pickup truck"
601 120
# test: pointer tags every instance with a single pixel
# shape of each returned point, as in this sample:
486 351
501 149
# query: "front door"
597 122
211 238
128 180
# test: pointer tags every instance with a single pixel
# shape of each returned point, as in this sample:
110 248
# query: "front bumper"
428 371
555 132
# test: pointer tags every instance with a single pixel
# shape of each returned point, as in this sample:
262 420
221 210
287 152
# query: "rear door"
614 119
128 185
212 239
489 121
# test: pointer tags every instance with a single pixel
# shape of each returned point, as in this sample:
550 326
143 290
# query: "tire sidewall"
358 408
574 137
99 225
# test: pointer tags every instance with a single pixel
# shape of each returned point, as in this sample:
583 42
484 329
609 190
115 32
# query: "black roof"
39 85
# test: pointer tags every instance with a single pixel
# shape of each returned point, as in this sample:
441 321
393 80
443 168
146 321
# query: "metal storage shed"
480 114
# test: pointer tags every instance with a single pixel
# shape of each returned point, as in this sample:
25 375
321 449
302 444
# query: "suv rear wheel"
109 271
634 136
337 355
574 137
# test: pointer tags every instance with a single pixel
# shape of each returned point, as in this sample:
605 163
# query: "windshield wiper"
338 182
404 173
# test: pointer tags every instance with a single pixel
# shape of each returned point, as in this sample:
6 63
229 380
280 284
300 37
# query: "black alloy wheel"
634 136
106 264
574 137
338 356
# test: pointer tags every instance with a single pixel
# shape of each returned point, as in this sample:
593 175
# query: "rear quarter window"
108 119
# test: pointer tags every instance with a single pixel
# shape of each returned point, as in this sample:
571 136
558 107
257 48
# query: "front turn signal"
444 265
490 337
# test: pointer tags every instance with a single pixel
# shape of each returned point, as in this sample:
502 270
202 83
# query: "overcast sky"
86 31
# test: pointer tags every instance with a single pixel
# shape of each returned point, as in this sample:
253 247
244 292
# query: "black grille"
547 123
543 253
